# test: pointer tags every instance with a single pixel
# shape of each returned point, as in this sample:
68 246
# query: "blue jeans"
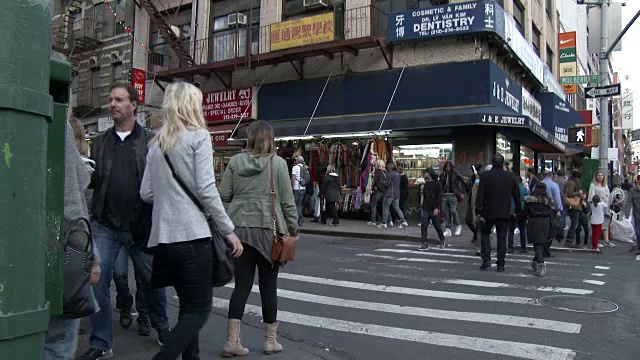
61 339
109 243
298 197
395 203
450 210
375 199
121 279
574 215
637 228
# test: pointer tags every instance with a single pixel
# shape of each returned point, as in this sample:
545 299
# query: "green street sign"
582 79
568 55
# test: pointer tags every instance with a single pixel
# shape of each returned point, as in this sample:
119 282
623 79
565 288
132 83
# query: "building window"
229 40
162 57
550 58
518 15
120 27
98 16
549 9
117 27
117 73
424 4
95 86
535 40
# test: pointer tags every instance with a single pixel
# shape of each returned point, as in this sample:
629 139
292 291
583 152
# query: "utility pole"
605 136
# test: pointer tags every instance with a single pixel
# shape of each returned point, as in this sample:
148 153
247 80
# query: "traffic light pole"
605 135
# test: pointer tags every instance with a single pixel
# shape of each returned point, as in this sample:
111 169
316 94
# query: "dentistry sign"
444 20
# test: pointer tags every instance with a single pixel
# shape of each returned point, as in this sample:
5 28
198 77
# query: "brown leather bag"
284 247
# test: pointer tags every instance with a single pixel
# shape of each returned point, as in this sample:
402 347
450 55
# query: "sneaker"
333 224
144 328
372 223
447 232
600 245
458 230
425 247
516 231
405 224
401 226
96 354
419 224
443 244
609 244
390 224
382 226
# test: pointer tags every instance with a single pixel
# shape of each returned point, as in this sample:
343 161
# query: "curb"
393 237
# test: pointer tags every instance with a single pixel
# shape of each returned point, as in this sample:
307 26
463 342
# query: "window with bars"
518 15
535 40
229 41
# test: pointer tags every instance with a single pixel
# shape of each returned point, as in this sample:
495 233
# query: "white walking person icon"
580 135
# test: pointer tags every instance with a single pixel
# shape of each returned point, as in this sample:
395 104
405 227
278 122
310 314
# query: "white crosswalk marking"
597 274
428 253
410 291
594 282
508 348
387 257
602 267
508 320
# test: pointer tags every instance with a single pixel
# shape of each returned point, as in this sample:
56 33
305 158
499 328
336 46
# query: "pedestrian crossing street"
435 300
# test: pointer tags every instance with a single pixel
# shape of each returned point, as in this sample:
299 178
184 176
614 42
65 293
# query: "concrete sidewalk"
359 229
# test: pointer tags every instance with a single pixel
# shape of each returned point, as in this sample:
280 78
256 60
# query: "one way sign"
602 91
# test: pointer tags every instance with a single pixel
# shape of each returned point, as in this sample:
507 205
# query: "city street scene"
320 179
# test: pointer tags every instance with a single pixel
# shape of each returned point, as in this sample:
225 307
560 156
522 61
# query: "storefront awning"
518 127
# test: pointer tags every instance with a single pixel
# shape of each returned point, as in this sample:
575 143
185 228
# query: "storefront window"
416 158
504 147
527 158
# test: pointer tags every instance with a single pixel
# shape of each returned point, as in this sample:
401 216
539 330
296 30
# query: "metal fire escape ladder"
61 32
167 33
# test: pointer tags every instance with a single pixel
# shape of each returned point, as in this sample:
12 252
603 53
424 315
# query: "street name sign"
602 91
581 79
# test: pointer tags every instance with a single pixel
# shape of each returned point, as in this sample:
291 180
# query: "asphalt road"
379 299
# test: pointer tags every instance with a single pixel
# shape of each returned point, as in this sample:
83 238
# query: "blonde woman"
246 186
183 256
599 187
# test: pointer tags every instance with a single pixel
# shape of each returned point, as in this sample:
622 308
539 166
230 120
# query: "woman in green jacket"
246 186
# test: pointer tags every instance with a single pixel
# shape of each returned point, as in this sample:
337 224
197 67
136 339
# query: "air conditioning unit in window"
237 18
311 3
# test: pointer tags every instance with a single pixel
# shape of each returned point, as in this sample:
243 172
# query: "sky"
626 61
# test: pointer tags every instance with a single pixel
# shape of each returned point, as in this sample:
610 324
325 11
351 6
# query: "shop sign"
139 79
522 49
505 91
568 59
228 105
504 120
531 107
444 20
627 112
304 31
220 140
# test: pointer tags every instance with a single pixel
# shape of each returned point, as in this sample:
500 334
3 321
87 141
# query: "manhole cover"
581 304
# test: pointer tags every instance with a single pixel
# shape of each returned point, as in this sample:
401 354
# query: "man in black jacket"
493 205
120 156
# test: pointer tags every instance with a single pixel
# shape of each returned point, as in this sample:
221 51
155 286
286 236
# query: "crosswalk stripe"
471 249
597 274
409 259
594 282
602 267
491 284
410 291
428 253
508 348
509 320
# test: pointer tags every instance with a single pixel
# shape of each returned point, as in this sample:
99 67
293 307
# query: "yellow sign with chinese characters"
305 31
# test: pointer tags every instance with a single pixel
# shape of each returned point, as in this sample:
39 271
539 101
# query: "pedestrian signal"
577 135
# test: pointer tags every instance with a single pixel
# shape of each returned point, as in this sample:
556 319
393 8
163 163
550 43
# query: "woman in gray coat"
246 186
332 194
180 234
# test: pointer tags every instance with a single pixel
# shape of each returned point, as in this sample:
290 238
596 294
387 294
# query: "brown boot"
271 346
233 347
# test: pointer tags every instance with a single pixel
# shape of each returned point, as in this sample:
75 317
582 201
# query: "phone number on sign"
444 31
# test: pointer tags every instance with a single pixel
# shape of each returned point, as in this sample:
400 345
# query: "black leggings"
267 282
540 249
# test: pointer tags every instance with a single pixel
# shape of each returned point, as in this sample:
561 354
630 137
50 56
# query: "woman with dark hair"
572 190
392 198
331 191
246 186
471 217
537 208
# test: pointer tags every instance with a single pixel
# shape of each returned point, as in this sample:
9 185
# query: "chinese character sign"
139 80
305 31
453 19
228 105
627 112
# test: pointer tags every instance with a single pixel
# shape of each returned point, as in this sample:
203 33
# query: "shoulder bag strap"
273 199
183 185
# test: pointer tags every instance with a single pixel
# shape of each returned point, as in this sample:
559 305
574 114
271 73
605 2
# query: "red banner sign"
227 105
220 139
139 79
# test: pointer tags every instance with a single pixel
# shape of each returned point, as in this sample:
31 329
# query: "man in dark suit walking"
493 205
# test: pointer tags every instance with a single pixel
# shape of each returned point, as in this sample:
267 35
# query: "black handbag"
140 226
223 269
78 297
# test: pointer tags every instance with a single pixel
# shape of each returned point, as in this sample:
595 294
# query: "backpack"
305 177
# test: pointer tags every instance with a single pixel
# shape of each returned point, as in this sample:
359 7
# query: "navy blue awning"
518 127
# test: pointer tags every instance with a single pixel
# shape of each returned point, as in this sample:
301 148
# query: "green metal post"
25 107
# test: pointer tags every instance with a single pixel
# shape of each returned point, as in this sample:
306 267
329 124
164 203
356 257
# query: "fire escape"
75 33
161 21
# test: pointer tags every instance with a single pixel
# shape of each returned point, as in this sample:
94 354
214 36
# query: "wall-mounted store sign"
139 80
504 120
531 107
304 31
220 140
229 105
